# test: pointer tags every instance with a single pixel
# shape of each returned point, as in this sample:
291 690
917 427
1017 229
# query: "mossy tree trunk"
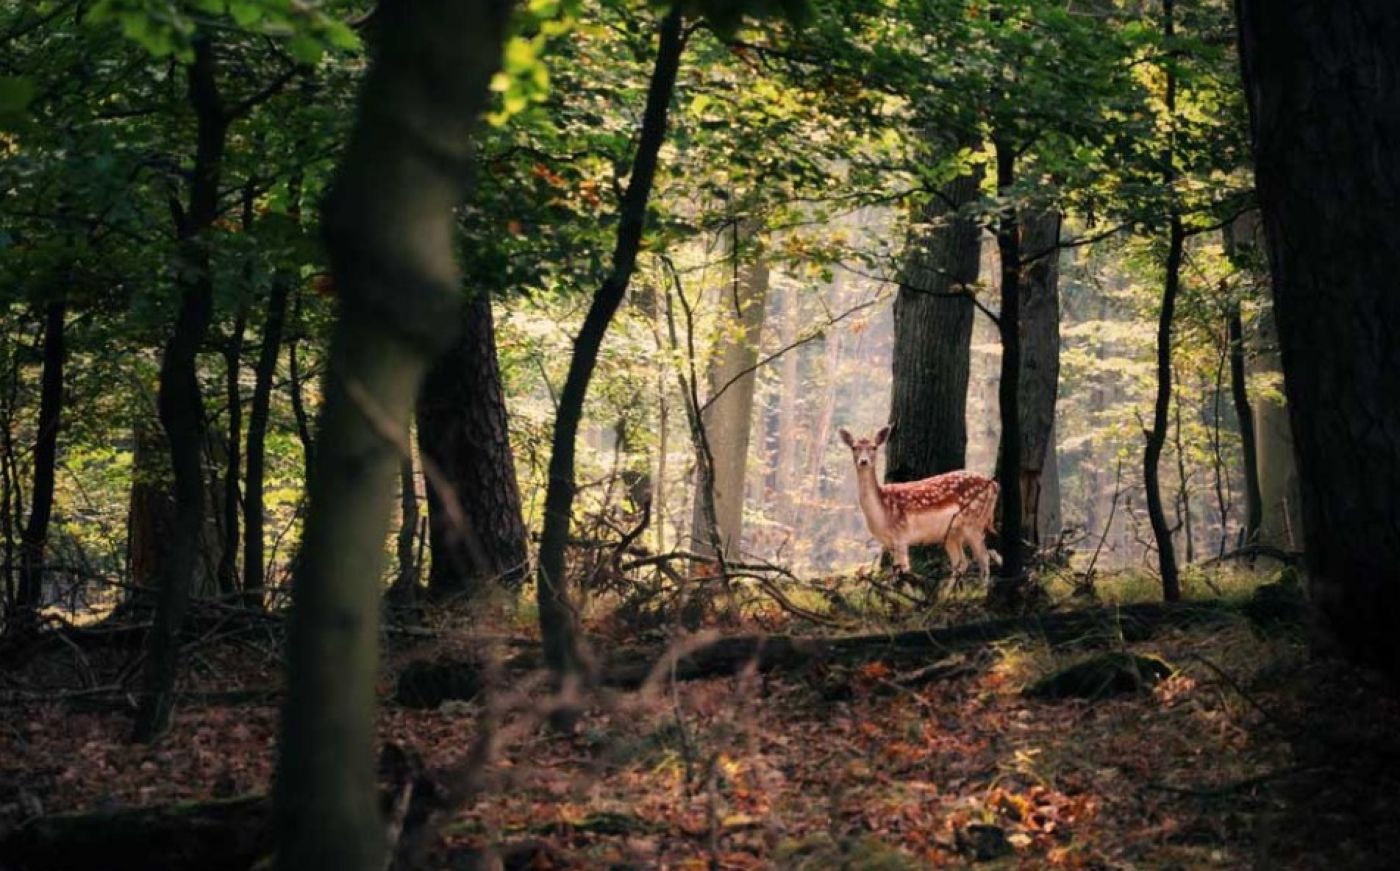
389 230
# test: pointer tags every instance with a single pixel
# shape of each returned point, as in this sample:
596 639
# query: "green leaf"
16 93
245 13
340 35
306 49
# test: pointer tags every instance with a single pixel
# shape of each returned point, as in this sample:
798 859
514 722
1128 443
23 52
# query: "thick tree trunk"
1157 436
1040 365
389 228
729 415
1012 577
35 537
932 338
254 568
463 430
180 405
1320 77
557 617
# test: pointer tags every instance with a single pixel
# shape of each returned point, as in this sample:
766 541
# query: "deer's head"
863 450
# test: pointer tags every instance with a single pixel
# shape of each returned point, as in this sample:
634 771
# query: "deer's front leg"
900 552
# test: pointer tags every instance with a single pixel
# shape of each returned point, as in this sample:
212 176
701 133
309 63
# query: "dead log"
627 669
1094 627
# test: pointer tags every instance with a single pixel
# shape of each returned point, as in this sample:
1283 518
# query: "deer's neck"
872 505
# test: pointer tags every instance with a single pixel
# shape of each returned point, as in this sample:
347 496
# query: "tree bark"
1040 369
728 418
463 430
1156 437
1011 578
389 227
1320 77
933 338
557 617
180 404
35 536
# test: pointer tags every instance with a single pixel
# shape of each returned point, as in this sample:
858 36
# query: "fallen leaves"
765 776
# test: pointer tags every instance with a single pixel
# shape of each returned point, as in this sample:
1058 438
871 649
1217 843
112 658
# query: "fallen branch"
1287 557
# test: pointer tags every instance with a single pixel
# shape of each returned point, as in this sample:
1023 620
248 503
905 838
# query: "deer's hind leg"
979 550
957 557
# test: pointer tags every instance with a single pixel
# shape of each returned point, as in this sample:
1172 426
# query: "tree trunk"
933 338
557 618
785 424
1161 409
729 414
1050 517
1320 77
1011 578
180 404
1239 389
463 431
1281 521
389 226
404 591
227 572
1244 241
1040 369
36 531
254 568
151 510
295 387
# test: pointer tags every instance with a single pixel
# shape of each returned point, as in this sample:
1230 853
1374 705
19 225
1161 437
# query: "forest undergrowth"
833 765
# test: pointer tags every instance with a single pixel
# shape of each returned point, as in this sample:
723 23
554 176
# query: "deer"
955 509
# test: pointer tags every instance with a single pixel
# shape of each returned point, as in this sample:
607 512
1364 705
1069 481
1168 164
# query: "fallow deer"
955 509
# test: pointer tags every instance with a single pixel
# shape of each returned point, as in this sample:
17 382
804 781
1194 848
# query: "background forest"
350 326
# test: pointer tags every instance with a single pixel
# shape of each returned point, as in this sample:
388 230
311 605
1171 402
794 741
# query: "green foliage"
169 28
820 128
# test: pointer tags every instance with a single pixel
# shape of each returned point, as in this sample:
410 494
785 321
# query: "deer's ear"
883 434
846 437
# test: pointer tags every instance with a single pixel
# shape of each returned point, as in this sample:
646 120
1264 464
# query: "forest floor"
1253 754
